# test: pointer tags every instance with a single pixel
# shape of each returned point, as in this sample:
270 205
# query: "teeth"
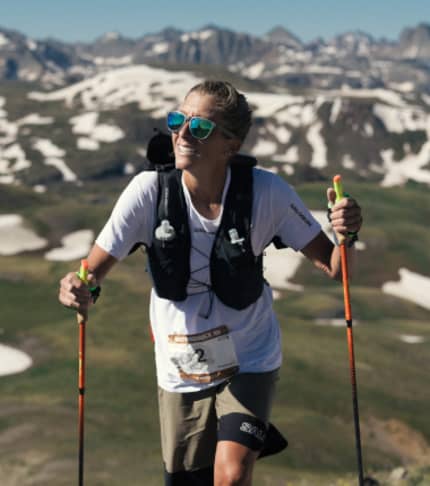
186 150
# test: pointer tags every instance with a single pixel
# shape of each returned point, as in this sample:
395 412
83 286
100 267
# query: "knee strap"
200 477
275 442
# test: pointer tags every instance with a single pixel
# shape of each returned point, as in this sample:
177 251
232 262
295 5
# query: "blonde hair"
233 106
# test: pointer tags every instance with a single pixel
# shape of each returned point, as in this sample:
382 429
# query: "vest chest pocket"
238 256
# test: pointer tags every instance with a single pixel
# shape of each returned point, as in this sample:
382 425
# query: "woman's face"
211 152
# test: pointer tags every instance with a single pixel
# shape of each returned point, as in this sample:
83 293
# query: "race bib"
203 357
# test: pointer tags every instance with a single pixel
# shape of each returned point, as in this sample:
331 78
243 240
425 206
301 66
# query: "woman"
217 341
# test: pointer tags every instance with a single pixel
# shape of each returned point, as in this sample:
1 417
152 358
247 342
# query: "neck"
206 191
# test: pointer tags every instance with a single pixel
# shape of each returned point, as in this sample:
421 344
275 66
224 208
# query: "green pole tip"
337 184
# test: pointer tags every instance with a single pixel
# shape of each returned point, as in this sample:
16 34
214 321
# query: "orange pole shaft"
345 279
350 339
81 402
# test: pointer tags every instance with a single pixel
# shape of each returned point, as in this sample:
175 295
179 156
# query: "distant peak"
110 36
281 35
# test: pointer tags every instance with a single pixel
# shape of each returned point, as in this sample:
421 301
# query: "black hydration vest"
236 274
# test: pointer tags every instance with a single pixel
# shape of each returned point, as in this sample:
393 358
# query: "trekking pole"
337 184
82 320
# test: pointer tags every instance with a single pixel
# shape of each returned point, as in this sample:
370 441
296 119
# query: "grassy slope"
38 435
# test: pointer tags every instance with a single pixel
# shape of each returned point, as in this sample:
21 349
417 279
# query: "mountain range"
76 112
279 58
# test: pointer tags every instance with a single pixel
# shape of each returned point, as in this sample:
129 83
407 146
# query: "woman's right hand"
74 293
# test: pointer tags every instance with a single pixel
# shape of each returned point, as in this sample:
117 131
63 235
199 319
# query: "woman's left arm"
345 217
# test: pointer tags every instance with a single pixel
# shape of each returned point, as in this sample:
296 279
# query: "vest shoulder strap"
240 197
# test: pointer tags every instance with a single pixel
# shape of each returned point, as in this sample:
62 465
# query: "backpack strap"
171 244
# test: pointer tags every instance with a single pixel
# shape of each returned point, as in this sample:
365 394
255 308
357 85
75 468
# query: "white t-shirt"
187 332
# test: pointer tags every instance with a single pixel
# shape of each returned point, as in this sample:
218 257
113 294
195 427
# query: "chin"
180 163
184 162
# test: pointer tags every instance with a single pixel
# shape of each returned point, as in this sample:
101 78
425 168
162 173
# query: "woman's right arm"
131 221
73 292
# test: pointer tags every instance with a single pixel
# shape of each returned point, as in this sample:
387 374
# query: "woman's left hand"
345 215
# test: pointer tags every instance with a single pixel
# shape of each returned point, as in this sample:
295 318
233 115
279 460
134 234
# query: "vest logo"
253 430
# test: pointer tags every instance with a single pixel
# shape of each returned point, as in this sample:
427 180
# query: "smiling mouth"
186 150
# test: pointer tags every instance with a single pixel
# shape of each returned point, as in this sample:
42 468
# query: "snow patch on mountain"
61 166
2 104
265 104
54 157
8 131
281 133
47 148
319 149
31 44
155 90
291 155
264 148
336 108
255 70
107 133
397 121
86 124
202 35
113 61
348 162
411 286
384 95
35 119
4 41
412 339
410 167
85 143
368 130
13 361
280 266
129 169
16 237
160 48
10 153
75 245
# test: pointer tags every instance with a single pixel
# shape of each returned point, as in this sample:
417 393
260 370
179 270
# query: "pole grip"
337 186
83 271
83 275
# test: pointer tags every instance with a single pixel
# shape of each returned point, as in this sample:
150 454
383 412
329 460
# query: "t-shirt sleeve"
282 213
132 217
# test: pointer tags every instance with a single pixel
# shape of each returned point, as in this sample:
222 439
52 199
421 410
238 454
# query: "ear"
234 145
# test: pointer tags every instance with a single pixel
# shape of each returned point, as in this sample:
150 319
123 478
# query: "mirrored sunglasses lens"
175 120
201 128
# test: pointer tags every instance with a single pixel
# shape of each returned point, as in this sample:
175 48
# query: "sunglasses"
200 128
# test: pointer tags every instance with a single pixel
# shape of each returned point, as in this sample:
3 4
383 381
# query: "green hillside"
38 408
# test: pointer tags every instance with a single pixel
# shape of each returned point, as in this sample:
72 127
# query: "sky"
85 20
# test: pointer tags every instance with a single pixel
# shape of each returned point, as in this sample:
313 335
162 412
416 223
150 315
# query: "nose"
184 131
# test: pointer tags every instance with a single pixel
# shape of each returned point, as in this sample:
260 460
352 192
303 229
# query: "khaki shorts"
192 423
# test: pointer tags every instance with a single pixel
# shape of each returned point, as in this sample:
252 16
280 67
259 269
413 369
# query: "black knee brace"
200 477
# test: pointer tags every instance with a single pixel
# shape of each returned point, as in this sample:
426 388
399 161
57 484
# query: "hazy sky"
87 19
